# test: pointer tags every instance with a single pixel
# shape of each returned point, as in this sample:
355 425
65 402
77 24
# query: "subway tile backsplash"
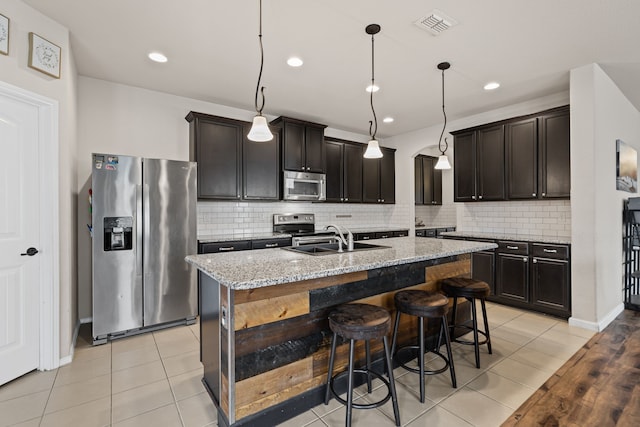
535 217
250 218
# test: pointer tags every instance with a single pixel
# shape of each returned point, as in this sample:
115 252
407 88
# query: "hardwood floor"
598 386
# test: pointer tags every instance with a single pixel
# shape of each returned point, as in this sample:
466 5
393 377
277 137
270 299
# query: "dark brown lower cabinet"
513 277
483 268
550 278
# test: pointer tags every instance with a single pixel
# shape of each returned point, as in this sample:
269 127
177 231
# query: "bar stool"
472 290
360 322
430 305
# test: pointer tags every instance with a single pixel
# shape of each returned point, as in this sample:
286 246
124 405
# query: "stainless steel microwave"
304 186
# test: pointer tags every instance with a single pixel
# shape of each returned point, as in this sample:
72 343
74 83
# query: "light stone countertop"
516 237
219 238
268 267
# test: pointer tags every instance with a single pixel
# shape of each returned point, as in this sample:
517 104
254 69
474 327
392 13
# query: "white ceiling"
212 45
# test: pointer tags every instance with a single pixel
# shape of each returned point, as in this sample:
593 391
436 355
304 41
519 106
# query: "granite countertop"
214 238
267 267
376 229
503 236
433 227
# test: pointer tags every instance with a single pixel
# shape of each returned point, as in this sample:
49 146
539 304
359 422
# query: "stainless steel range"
302 228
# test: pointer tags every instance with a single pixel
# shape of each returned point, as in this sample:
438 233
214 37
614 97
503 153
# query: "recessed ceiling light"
294 61
491 86
375 88
388 120
157 57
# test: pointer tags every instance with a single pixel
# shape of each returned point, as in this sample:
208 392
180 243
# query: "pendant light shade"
373 148
443 161
259 129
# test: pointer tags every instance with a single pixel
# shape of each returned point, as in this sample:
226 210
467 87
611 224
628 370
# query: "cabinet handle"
544 194
271 245
525 259
512 247
479 197
382 200
228 248
535 261
341 199
550 251
533 194
365 237
346 199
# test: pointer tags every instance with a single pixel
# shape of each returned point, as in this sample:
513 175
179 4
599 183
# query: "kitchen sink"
332 248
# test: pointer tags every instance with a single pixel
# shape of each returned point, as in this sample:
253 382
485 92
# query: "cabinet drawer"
513 247
430 232
236 245
420 233
383 234
364 236
402 233
270 243
550 251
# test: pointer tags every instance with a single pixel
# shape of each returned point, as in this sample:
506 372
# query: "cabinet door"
261 168
521 152
482 268
387 177
418 180
437 183
427 180
550 285
554 142
334 171
464 167
352 175
314 148
512 277
371 180
293 142
217 145
490 161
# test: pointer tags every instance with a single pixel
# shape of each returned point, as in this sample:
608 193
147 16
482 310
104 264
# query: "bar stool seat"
361 322
429 305
472 290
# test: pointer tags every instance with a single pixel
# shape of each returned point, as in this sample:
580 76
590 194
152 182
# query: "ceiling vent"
435 22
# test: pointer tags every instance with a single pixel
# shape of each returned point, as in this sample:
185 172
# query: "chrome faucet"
348 241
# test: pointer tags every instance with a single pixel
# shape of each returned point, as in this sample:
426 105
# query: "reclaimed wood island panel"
264 334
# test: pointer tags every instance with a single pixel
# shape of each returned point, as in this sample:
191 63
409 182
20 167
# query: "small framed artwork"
4 35
44 56
626 167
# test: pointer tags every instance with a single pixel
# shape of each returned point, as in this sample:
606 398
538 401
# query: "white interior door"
19 230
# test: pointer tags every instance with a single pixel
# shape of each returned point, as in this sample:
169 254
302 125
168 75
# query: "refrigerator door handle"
139 228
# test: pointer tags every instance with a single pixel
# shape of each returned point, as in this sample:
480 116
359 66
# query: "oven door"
304 186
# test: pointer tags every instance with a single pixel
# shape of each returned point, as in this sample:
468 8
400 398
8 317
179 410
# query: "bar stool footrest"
426 372
470 328
361 405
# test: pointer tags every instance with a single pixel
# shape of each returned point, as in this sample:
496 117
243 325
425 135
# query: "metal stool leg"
447 341
350 385
395 333
476 346
452 326
486 325
421 356
368 358
392 382
327 393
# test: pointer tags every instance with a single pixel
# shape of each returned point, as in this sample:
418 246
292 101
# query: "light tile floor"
154 380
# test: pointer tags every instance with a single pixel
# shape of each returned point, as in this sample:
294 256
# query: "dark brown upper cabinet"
344 171
230 167
379 178
302 145
554 154
521 138
428 181
516 159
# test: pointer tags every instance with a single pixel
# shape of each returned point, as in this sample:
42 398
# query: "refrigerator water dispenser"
118 233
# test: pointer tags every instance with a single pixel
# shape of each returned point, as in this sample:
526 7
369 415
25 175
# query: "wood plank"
261 386
270 310
249 295
224 394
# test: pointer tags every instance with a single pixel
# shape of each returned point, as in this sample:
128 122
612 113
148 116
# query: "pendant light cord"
446 144
258 88
375 119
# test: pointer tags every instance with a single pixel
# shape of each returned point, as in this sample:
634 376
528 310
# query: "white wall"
600 114
120 119
14 70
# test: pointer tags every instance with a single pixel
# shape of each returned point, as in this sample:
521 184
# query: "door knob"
30 252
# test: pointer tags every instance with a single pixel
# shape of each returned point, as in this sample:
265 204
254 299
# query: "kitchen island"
264 333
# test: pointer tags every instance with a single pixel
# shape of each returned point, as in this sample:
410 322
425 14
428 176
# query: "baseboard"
68 359
597 326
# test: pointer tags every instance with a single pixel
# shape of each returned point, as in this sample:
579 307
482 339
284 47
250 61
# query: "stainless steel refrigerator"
144 224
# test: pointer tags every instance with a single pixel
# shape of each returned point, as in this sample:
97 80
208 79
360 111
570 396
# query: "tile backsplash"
247 218
437 216
535 217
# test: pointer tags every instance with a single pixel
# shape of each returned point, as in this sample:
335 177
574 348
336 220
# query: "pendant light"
260 129
443 161
373 148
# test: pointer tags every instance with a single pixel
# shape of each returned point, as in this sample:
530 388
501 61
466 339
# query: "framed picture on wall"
4 35
44 56
626 167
